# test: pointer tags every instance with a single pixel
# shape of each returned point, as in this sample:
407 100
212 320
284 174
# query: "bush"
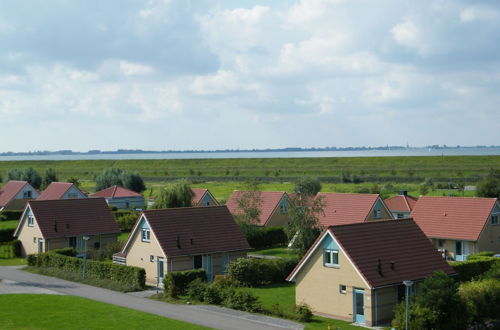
6 235
176 283
243 301
303 313
482 299
126 219
196 289
266 237
66 252
10 249
474 267
132 278
255 272
215 294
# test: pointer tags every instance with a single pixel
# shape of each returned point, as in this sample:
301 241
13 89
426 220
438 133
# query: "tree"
490 186
424 189
28 174
482 299
174 195
307 186
49 177
133 181
250 204
74 180
437 305
117 177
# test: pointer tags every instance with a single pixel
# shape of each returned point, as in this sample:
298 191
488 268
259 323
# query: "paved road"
210 316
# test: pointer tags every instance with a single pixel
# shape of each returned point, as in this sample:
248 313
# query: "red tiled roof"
399 241
73 217
403 203
116 192
269 202
199 230
345 208
461 218
55 190
10 190
198 195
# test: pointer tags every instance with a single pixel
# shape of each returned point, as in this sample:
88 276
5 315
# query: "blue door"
160 270
359 306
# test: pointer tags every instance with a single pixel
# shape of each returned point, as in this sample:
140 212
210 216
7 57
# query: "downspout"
376 306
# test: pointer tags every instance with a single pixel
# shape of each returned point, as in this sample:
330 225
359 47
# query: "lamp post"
86 239
407 284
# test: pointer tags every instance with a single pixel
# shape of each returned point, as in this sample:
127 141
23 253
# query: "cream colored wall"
278 219
318 286
449 246
489 240
27 234
138 254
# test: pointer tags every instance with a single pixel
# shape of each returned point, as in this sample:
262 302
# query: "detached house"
54 224
121 198
459 226
355 272
203 197
183 238
351 208
61 190
273 206
15 194
401 205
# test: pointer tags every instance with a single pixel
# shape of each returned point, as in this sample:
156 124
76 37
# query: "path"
209 316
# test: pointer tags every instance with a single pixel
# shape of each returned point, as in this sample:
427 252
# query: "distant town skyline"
214 75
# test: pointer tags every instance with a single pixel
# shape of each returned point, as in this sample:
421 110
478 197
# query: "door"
207 266
160 270
40 245
459 253
359 306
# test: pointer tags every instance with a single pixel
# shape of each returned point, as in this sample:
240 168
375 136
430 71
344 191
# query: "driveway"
17 281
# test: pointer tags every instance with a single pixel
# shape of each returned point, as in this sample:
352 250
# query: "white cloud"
409 35
132 69
305 11
471 14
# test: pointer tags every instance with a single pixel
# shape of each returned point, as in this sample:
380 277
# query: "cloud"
471 14
132 69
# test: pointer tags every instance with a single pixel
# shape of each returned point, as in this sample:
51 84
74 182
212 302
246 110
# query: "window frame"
342 290
330 253
494 219
31 221
146 235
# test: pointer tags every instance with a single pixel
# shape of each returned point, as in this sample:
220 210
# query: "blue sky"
248 74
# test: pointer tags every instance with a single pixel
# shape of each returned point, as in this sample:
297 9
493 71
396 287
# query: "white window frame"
330 253
344 289
377 213
146 235
31 221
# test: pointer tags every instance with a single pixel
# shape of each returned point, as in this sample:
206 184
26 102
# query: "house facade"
340 208
355 272
121 198
401 205
54 224
15 194
272 205
61 190
183 238
203 197
459 226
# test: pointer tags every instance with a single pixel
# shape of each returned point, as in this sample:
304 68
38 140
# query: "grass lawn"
12 262
282 252
68 312
9 224
284 295
122 238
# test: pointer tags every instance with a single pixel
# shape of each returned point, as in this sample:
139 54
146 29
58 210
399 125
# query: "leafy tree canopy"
49 177
28 174
307 186
490 186
117 177
174 195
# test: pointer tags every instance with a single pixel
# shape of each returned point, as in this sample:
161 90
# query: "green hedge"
133 278
70 252
6 235
12 215
176 283
266 237
473 267
126 219
10 249
256 272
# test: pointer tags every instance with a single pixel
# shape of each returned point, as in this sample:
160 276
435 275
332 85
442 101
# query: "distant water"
270 154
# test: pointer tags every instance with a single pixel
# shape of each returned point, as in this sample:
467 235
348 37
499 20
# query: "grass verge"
13 262
68 312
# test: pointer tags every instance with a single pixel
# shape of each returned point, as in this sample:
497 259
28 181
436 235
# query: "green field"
68 312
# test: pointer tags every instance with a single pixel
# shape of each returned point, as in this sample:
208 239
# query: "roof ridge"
370 222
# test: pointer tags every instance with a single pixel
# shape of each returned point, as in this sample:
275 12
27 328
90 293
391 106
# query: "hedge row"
256 272
266 237
133 278
10 249
473 267
175 283
6 235
12 215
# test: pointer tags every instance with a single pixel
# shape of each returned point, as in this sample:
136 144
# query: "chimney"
403 193
178 241
379 267
393 263
55 226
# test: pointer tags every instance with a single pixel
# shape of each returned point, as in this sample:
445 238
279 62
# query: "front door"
359 306
160 270
207 266
40 245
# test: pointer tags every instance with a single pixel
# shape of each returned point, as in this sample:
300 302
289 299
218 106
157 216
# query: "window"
331 258
30 221
27 194
152 258
283 208
400 215
377 213
342 289
146 235
494 219
197 262
72 242
440 243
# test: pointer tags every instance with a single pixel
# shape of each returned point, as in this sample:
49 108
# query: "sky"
177 75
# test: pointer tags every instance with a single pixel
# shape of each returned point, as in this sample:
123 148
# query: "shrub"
175 283
6 235
66 252
196 289
303 313
255 272
482 299
243 301
126 219
473 267
215 294
131 278
478 255
10 249
266 237
226 281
